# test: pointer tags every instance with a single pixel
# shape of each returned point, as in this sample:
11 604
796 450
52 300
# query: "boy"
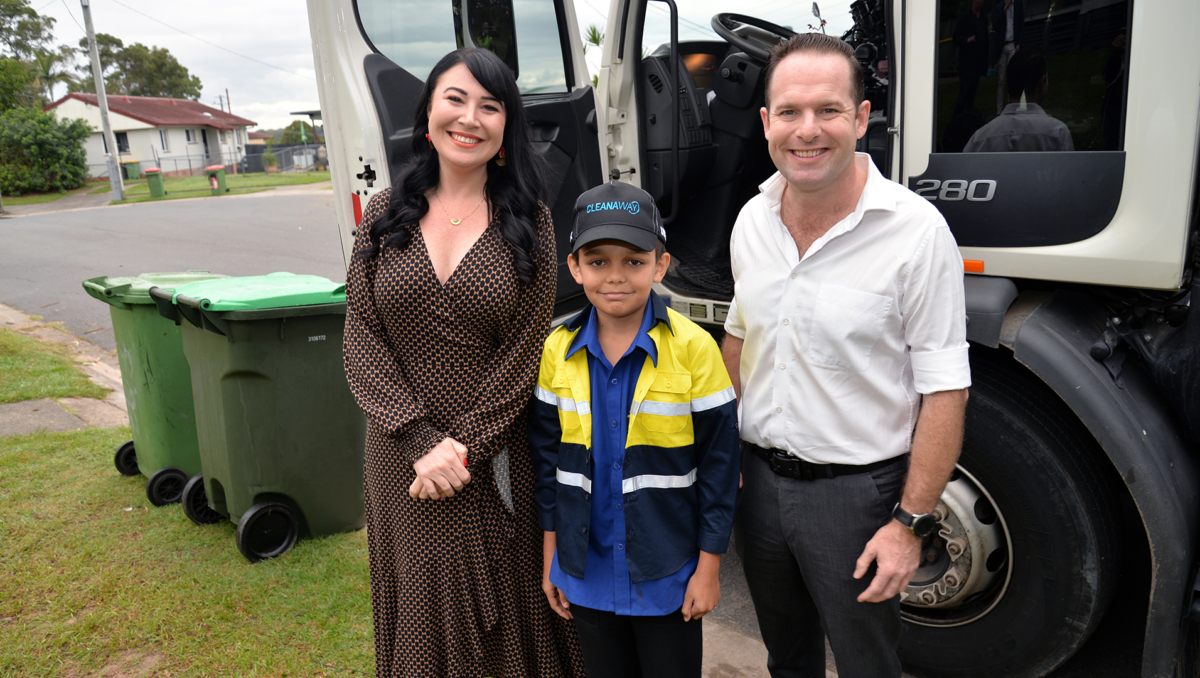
633 431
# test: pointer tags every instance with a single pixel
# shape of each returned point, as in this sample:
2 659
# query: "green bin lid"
136 289
276 290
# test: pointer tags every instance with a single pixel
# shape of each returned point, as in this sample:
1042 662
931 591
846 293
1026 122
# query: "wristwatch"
921 525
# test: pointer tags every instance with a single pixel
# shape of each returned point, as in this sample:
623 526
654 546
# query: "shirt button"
620 547
782 366
779 409
794 275
785 321
617 466
614 382
618 507
614 424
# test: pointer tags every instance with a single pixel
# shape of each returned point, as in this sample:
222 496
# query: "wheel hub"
964 565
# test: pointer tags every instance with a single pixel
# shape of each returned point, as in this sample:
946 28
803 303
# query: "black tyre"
195 502
126 459
1189 659
165 486
1043 497
268 530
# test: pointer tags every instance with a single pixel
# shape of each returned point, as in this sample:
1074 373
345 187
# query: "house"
179 135
258 138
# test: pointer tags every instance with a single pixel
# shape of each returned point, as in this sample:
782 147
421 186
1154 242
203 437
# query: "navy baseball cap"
617 211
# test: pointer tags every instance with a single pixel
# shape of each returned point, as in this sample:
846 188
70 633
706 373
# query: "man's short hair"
817 43
1025 71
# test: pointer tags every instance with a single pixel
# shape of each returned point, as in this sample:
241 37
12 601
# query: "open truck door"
372 58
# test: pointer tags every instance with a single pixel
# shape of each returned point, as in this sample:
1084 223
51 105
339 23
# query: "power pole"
114 170
234 141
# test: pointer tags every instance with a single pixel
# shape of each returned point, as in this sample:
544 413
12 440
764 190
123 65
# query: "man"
1008 20
847 340
1023 127
970 36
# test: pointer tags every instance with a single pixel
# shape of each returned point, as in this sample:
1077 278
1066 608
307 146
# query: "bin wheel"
165 486
195 502
126 459
267 530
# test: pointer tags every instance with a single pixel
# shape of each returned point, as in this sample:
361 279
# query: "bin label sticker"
319 337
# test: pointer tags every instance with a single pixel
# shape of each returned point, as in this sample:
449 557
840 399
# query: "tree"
291 133
15 83
51 68
138 70
596 38
22 30
39 153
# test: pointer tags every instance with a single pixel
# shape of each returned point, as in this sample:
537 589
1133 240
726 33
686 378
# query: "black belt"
788 466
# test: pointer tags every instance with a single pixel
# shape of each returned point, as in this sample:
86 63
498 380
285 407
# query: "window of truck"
416 34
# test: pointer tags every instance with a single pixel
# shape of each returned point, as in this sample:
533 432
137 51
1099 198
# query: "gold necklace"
459 221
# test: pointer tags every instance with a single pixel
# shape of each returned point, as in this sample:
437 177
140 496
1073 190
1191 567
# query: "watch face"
923 525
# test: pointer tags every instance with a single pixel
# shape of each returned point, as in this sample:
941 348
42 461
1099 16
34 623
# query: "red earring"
500 157
428 139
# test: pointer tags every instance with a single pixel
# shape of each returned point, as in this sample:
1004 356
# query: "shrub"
41 154
269 159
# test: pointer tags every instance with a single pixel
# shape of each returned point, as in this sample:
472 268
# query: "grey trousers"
798 541
1006 55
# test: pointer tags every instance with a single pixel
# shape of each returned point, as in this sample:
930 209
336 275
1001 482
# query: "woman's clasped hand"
441 472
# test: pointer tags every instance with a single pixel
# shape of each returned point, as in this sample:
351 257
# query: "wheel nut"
954 547
928 598
951 580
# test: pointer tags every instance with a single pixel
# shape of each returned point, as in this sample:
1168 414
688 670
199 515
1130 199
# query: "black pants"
968 86
798 541
617 646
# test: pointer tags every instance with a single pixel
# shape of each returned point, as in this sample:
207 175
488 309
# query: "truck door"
372 58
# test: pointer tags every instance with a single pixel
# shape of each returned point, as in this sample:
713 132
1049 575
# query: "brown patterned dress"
456 583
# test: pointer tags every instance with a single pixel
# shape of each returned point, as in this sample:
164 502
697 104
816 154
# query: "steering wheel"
753 36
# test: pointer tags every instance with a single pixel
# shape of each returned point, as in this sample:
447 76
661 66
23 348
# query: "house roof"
164 112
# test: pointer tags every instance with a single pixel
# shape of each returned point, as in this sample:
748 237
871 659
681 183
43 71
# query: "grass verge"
199 183
31 369
96 581
180 195
39 198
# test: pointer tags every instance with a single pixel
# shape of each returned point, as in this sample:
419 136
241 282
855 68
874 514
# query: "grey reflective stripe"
578 479
545 396
664 409
717 399
660 482
568 405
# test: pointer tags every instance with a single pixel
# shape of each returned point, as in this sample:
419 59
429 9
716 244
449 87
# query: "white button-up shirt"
839 344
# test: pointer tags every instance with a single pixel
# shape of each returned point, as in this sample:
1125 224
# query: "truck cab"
1080 251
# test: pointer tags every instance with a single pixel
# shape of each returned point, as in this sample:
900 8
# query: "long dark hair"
513 190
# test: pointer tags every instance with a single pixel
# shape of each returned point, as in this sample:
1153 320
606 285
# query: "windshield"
695 17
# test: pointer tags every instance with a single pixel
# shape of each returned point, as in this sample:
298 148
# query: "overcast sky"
274 74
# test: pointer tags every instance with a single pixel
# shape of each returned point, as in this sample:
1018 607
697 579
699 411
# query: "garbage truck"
1081 443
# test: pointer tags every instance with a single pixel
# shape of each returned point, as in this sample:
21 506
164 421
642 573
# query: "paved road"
43 259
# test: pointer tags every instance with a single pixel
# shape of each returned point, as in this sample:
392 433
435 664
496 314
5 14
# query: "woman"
450 293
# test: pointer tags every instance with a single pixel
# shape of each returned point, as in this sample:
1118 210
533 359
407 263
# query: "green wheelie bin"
157 383
216 179
281 437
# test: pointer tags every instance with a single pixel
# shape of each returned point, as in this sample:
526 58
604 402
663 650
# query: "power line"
211 43
64 2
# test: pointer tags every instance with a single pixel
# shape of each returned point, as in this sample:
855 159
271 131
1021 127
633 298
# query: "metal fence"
291 158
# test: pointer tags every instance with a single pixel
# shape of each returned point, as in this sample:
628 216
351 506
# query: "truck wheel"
1024 561
1189 659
